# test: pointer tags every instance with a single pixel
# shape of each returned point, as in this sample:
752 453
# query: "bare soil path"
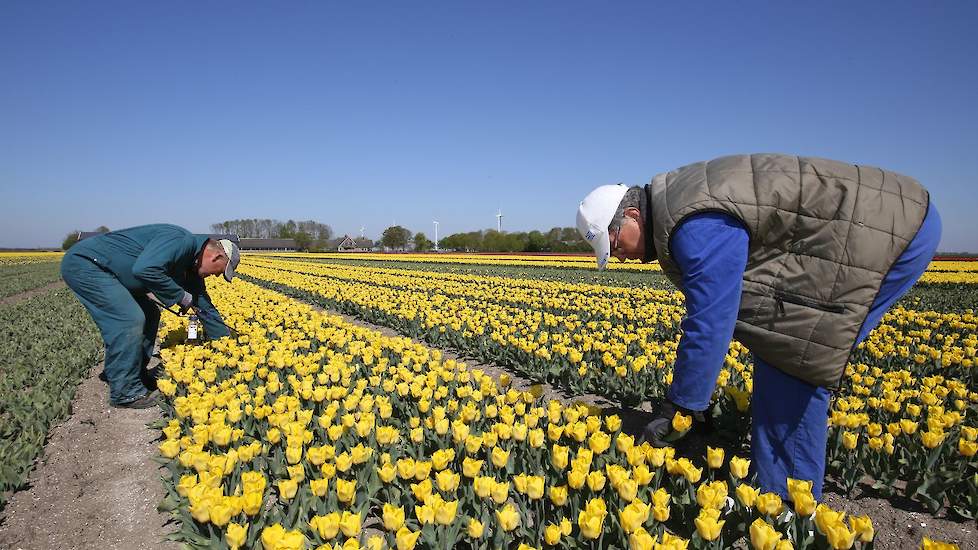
32 292
95 486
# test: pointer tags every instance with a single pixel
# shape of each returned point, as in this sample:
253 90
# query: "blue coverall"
112 273
789 417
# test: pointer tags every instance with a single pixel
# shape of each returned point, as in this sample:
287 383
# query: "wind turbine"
361 231
499 220
436 235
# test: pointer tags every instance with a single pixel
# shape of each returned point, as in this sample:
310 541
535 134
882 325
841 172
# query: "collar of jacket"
650 254
199 242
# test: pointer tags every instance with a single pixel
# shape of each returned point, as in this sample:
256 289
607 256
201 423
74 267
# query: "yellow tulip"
596 481
475 528
711 495
350 524
235 535
327 527
633 516
681 423
406 539
287 488
576 478
641 540
559 456
967 448
346 490
319 487
590 524
252 503
708 524
471 467
508 518
863 527
221 513
447 480
387 472
714 457
840 537
445 512
393 517
739 467
499 457
769 504
500 492
551 534
558 495
763 536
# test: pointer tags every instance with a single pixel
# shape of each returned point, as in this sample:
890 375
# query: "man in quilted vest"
798 258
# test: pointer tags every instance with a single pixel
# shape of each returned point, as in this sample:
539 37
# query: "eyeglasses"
617 240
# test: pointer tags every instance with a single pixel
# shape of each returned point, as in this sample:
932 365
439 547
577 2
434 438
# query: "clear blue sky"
362 113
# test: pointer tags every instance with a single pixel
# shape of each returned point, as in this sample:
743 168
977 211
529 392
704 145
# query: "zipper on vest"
781 298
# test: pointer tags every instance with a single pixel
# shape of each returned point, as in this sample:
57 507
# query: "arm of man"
153 266
710 250
214 327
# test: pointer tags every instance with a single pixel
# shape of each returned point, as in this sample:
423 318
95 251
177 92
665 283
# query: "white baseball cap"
231 250
593 216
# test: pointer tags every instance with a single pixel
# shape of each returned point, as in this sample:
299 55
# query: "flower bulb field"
477 401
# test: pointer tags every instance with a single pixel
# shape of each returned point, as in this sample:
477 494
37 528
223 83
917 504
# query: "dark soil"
95 486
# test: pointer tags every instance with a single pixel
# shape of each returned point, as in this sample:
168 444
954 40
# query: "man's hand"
660 432
186 303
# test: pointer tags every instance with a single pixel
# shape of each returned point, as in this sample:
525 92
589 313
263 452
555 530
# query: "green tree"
395 237
70 239
422 242
303 240
102 229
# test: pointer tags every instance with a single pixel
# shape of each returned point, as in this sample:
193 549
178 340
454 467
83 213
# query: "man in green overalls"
121 276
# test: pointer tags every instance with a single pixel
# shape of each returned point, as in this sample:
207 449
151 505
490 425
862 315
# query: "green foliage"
70 240
557 239
18 278
395 237
422 243
48 344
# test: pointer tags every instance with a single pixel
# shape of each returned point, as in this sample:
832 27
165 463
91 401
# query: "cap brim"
601 243
228 272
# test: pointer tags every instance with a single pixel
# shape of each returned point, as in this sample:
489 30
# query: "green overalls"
112 273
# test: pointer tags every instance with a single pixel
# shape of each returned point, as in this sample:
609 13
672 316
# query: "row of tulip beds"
905 413
48 344
305 431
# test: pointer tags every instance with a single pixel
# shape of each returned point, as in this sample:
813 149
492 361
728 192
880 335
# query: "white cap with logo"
593 216
231 250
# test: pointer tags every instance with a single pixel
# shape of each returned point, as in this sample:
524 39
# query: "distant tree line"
264 228
557 239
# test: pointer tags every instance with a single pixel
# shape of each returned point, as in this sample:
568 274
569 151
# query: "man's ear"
633 213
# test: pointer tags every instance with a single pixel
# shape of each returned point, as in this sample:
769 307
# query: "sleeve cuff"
187 299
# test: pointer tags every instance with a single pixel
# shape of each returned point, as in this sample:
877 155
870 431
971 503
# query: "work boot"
103 377
145 402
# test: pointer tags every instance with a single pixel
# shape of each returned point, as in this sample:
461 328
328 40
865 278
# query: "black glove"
660 427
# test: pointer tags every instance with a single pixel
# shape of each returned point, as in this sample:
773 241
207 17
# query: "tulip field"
305 430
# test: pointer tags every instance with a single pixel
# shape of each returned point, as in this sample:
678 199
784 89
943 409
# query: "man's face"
628 242
212 262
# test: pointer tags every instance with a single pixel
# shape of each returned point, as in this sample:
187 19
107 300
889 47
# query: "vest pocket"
781 298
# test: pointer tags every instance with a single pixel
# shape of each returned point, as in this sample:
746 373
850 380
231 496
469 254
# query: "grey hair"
633 198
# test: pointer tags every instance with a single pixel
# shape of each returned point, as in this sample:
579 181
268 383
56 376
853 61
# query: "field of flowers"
307 431
37 378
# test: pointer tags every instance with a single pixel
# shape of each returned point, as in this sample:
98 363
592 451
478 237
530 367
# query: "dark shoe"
148 380
145 402
103 377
